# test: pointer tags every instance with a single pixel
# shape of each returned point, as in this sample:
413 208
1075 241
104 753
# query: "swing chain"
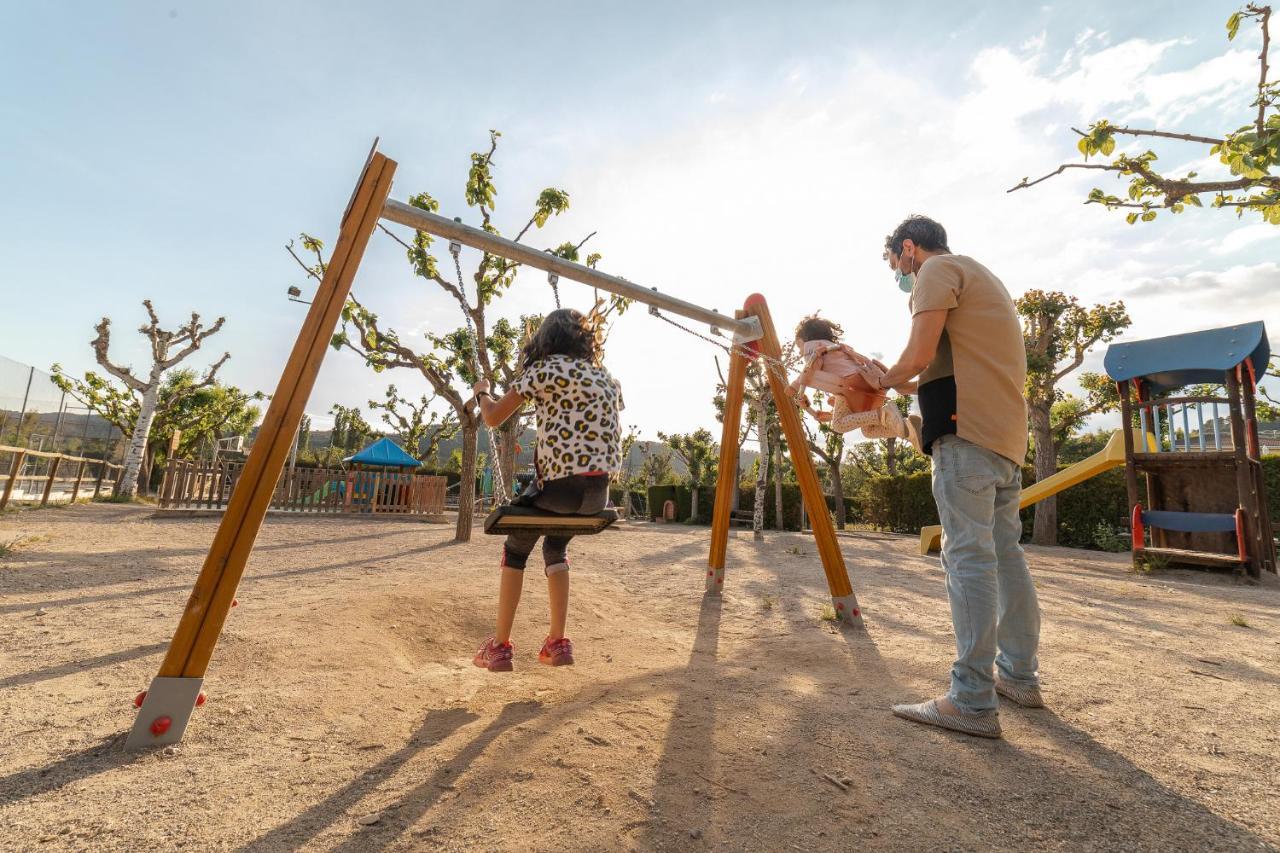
495 462
553 279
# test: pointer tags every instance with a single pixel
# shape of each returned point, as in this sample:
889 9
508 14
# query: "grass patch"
768 602
1239 621
795 549
118 499
828 613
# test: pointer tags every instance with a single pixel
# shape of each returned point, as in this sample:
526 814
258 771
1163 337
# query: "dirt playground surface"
344 713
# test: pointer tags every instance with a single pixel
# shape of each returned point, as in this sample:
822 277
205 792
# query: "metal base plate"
174 698
715 581
847 610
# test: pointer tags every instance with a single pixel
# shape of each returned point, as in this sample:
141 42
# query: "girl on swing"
842 372
579 446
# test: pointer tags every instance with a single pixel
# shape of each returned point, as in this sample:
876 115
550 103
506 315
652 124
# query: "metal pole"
17 436
57 424
746 329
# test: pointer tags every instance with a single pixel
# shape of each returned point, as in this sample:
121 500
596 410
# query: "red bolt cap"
235 602
138 700
200 699
161 725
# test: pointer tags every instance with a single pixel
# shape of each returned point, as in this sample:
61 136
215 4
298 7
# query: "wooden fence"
326 491
33 476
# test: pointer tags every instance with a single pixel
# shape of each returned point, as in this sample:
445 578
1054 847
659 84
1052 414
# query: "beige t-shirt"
975 384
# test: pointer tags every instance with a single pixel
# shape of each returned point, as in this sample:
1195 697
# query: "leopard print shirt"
577 404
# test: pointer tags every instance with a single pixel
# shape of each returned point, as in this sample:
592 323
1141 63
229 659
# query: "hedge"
659 495
905 504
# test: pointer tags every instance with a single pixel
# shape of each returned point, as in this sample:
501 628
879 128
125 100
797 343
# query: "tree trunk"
138 441
1045 530
467 485
777 485
508 437
837 491
891 456
693 503
762 474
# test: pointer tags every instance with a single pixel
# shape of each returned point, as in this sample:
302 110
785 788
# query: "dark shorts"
581 494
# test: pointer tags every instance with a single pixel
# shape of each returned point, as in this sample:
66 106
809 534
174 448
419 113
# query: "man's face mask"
906 281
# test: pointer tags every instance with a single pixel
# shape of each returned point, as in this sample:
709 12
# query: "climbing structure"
1204 500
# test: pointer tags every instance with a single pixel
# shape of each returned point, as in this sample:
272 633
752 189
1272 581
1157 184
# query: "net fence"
36 414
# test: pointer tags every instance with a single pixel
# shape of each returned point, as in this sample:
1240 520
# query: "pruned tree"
698 451
760 418
168 349
623 477
1251 154
454 357
656 468
417 425
1058 331
201 411
351 431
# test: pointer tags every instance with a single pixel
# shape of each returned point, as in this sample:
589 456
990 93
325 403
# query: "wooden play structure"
1108 458
166 707
1204 501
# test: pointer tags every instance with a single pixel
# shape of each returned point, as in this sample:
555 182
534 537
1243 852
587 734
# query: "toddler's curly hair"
815 328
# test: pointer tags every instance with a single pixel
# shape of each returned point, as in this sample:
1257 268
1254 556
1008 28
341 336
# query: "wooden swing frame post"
167 705
824 533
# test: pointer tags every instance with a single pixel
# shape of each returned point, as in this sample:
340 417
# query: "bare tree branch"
1058 171
1132 131
100 346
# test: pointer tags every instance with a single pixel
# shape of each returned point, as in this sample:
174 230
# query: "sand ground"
344 713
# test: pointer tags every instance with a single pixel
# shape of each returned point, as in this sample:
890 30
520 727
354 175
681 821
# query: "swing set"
165 708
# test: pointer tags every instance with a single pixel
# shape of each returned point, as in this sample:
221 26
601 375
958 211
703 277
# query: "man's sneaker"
556 652
494 656
1026 695
984 724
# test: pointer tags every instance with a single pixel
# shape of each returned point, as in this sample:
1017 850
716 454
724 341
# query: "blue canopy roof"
1196 357
385 453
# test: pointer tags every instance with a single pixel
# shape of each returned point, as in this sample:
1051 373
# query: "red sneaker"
556 652
494 656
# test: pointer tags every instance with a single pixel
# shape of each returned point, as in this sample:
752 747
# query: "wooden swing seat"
527 519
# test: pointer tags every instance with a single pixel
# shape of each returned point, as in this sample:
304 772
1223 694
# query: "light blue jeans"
993 599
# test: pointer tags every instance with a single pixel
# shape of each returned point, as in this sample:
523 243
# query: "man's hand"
823 417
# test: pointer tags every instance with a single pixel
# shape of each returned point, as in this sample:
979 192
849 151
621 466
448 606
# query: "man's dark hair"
922 231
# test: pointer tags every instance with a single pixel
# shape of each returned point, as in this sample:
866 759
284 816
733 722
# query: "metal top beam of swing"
744 329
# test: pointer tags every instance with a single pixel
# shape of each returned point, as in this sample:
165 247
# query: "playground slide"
1111 456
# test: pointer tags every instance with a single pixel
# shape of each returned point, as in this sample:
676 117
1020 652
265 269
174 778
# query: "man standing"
967 351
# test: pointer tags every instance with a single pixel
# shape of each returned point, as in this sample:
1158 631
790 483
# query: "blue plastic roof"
1193 358
385 453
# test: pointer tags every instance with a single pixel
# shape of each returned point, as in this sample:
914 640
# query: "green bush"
901 504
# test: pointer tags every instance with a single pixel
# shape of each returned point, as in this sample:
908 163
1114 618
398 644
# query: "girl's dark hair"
815 328
562 332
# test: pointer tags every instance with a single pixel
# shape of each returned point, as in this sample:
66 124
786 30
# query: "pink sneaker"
556 652
493 656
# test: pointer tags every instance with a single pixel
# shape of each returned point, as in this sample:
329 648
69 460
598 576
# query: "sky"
170 151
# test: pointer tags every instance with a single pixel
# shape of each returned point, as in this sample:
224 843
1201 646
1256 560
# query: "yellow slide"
1111 456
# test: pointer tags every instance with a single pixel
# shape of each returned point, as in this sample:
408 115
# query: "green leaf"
1233 26
1131 218
1148 216
1108 145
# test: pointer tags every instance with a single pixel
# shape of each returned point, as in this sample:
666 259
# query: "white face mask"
906 281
